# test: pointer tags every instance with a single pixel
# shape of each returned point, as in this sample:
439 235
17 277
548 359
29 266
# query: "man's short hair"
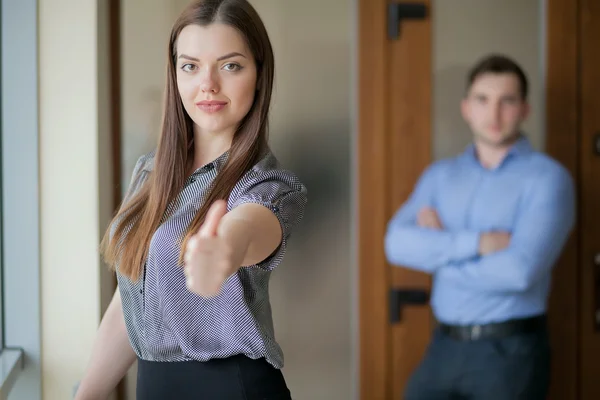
499 64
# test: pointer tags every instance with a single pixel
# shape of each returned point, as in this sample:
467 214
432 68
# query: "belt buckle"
475 332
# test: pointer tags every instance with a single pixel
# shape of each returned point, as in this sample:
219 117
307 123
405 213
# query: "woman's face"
216 77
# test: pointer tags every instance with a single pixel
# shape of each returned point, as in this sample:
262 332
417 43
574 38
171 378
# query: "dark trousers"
233 378
511 368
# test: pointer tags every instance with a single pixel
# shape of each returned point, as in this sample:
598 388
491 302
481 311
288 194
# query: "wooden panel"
115 96
409 154
375 372
590 194
115 93
562 115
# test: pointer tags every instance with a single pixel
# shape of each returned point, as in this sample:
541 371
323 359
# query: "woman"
204 222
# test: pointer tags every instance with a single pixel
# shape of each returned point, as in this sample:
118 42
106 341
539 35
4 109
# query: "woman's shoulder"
269 168
267 162
142 168
272 185
145 162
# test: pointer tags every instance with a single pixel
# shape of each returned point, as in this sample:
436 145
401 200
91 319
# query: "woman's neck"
209 146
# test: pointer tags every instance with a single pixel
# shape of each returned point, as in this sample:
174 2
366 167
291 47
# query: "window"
19 202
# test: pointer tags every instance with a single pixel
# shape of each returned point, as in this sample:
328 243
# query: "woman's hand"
210 258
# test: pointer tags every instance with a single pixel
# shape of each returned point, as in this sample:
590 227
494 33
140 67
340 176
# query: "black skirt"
233 378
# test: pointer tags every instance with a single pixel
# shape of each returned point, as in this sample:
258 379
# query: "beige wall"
145 27
464 31
311 132
75 198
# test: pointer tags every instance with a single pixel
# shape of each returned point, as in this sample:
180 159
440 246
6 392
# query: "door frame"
562 142
563 137
114 38
373 274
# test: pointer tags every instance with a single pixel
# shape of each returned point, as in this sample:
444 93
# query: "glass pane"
1 208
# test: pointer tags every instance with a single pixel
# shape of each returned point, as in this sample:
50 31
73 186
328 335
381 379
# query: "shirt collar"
217 163
521 147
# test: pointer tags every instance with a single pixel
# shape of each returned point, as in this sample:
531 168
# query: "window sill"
11 365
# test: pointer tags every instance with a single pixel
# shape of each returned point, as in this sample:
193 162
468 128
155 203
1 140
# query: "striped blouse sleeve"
280 191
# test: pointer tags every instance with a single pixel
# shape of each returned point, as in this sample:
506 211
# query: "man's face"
494 109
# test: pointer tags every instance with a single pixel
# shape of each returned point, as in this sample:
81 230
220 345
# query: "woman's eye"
232 67
188 67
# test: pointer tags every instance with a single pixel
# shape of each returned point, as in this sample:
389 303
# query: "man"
489 226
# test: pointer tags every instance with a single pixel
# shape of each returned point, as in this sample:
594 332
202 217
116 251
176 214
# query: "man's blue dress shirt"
529 195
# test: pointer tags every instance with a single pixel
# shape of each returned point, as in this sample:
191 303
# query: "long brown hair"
138 219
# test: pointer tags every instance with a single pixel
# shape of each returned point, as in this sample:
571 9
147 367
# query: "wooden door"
409 151
562 143
589 263
394 146
573 129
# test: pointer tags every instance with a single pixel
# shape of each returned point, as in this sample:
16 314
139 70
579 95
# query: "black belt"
495 330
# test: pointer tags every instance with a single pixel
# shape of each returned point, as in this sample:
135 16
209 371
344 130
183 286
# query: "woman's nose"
209 83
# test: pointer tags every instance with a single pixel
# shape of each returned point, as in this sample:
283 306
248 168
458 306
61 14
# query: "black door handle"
400 11
402 297
597 292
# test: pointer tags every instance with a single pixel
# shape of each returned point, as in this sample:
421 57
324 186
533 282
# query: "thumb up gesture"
208 258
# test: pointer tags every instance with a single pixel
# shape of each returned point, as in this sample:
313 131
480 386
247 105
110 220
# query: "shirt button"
141 291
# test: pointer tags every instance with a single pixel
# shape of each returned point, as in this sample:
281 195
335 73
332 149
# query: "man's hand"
491 242
428 218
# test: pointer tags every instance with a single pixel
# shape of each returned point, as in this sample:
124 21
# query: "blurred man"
489 226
